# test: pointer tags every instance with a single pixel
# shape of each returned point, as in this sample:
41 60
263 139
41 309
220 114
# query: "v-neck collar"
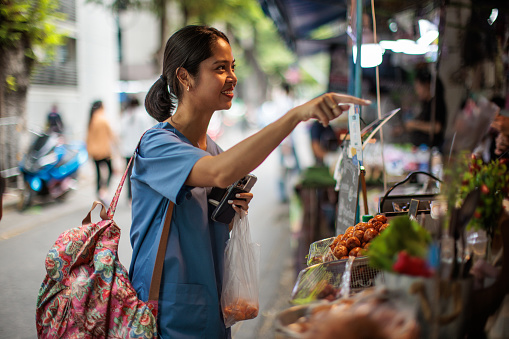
168 126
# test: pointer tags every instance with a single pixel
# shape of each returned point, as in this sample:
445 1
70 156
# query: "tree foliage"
34 22
244 19
252 31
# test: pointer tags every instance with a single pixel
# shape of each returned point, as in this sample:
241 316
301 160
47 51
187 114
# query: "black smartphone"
218 197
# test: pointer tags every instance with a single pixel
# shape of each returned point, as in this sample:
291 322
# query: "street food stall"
407 264
411 259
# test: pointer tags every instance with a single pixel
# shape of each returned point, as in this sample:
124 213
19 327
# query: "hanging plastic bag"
239 300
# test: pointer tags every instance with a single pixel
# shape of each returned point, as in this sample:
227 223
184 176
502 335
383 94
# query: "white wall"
140 35
97 58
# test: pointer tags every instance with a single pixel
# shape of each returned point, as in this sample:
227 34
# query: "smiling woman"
177 162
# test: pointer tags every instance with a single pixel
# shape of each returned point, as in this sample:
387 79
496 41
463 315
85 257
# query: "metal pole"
358 69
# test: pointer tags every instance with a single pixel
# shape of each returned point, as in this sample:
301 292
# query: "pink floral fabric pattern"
86 292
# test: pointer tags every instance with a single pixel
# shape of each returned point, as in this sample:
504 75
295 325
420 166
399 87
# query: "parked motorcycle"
50 167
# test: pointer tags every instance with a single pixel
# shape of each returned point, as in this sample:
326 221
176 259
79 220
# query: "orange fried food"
241 310
370 234
347 235
383 227
381 218
354 252
362 226
335 242
340 251
359 234
352 242
375 224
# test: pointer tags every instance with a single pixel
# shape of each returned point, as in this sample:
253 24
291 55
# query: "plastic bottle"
366 218
423 158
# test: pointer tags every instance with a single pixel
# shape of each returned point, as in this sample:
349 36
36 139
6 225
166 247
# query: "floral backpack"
87 293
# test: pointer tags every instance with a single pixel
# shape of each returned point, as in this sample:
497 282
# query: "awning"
299 22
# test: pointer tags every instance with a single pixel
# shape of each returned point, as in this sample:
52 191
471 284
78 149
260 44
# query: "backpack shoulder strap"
163 242
113 205
155 284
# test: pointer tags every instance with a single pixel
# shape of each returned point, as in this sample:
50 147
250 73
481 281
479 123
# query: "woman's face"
216 78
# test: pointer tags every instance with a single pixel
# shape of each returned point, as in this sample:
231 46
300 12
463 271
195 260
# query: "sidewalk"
15 222
269 226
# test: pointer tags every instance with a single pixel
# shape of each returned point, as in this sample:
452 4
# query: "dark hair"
133 102
422 74
186 48
95 106
499 101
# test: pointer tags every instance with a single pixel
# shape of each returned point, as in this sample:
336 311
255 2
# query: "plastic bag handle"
409 176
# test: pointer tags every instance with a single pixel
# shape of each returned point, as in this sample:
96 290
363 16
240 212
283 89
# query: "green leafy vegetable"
402 235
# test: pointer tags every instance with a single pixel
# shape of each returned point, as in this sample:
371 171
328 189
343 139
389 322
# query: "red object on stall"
406 264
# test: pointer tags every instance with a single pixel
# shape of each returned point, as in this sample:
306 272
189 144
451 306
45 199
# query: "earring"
188 88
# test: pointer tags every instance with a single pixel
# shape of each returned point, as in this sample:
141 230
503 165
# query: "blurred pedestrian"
177 162
421 129
54 121
288 158
100 141
323 141
134 122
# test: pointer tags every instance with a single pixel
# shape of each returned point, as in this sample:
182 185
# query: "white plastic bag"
239 299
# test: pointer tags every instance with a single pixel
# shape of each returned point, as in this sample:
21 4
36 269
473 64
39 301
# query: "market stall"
423 256
398 265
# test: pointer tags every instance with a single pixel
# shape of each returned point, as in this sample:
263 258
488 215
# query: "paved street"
25 239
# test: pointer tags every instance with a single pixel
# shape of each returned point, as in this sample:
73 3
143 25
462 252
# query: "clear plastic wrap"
320 252
239 300
323 281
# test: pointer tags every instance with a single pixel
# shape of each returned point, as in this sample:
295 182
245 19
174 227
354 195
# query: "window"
62 71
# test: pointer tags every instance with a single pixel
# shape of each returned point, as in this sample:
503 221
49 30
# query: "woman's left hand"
238 204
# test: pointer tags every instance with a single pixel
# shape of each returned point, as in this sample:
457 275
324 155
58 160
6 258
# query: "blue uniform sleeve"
164 162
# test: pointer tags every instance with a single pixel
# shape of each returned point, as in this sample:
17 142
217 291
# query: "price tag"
354 127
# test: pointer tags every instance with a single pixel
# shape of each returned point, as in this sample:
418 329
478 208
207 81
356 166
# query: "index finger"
349 99
244 195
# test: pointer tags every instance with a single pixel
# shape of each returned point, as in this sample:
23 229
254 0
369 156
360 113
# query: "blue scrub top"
189 299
